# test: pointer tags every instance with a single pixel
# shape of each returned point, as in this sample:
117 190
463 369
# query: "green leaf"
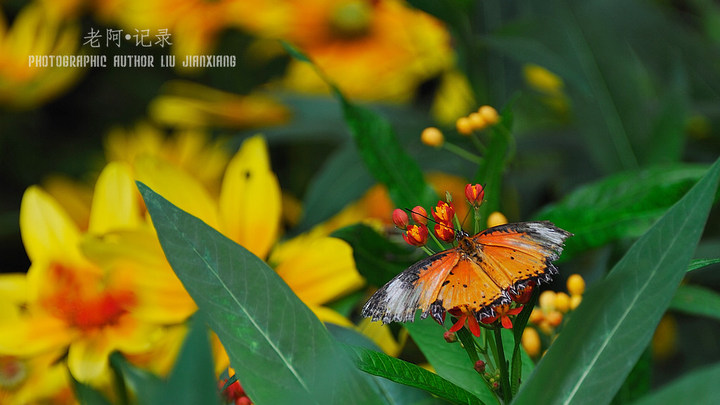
392 392
700 263
449 360
698 387
491 170
193 368
192 380
342 180
696 300
402 372
614 324
87 395
147 387
280 350
379 148
624 205
376 258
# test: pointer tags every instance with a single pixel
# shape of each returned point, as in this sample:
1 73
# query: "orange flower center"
12 372
82 301
351 19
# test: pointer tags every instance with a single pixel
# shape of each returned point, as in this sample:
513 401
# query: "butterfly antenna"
428 218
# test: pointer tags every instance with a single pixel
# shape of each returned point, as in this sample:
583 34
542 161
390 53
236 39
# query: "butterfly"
477 275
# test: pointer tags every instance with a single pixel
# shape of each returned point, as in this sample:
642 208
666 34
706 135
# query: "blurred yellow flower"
96 292
189 105
454 98
35 34
372 50
189 150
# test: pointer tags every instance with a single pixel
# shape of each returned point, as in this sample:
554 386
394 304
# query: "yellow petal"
88 357
177 187
328 315
34 334
250 199
317 269
115 205
47 231
13 288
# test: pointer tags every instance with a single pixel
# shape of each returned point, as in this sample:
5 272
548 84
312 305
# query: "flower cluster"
549 316
484 117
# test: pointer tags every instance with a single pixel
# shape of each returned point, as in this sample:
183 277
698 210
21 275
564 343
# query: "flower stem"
462 153
503 366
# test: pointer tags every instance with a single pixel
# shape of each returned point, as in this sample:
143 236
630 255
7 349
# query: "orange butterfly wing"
479 273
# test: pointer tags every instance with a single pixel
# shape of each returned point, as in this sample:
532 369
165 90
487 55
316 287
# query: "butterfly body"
477 275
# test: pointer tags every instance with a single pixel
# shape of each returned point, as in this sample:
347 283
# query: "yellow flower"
36 35
190 150
248 210
193 25
97 292
454 98
189 105
371 50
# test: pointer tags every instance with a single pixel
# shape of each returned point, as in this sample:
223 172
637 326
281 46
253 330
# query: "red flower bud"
480 366
416 235
400 218
419 215
474 194
450 337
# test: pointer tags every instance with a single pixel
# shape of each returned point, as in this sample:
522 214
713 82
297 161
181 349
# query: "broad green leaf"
279 349
699 387
620 206
377 259
449 360
696 300
378 146
614 324
700 263
402 372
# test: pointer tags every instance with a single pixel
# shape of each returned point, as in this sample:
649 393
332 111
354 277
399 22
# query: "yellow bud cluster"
551 310
484 117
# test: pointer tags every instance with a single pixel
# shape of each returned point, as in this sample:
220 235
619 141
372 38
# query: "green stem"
462 153
502 364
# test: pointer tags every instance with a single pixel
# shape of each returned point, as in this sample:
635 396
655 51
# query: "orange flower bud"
416 235
464 126
400 218
450 337
444 232
432 136
419 215
475 194
496 218
576 284
477 121
489 114
531 342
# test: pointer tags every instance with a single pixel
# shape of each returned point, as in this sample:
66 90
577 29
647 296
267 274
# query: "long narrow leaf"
280 350
698 387
402 372
696 300
610 329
